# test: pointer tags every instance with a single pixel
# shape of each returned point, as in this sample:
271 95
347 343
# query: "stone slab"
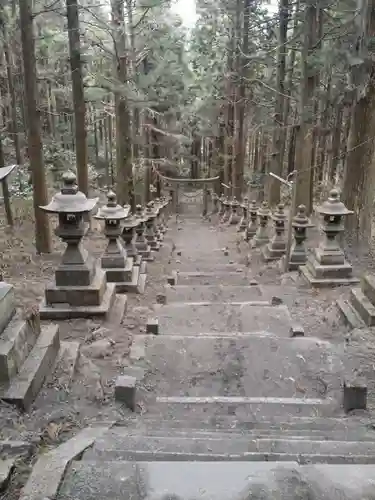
247 369
349 314
326 282
217 480
368 287
363 306
10 448
185 318
212 293
48 472
214 278
7 301
26 385
65 311
6 469
125 391
16 342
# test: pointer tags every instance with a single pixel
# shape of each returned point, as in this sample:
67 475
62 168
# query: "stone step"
206 317
349 314
6 469
113 446
229 424
214 278
16 342
255 366
212 293
26 384
7 304
350 433
242 408
363 306
216 480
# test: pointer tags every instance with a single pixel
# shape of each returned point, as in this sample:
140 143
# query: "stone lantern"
328 266
234 216
116 263
221 201
243 222
261 237
215 202
300 224
150 234
141 242
159 228
276 248
252 226
80 288
227 210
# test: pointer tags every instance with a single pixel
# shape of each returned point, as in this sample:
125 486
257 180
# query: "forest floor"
59 409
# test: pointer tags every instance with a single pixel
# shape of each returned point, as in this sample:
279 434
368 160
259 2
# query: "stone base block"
7 301
26 385
368 287
78 296
146 254
323 282
136 284
234 220
319 271
154 245
66 311
16 341
363 306
125 391
354 395
259 242
172 279
349 314
76 275
270 254
120 275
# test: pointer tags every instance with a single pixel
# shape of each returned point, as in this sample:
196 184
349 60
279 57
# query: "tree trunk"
35 150
78 95
276 165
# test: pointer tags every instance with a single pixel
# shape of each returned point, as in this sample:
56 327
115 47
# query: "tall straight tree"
35 151
78 94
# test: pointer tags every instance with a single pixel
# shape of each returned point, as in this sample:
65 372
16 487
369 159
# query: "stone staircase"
235 405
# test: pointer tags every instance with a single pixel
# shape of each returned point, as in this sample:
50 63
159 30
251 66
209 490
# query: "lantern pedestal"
327 265
141 243
234 217
261 236
276 248
138 279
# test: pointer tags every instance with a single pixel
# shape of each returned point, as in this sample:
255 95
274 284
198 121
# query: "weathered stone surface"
201 318
297 331
245 366
6 468
66 362
125 391
26 385
217 480
214 278
349 314
363 306
49 470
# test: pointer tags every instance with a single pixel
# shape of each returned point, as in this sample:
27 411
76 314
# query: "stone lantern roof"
300 219
112 210
70 200
333 206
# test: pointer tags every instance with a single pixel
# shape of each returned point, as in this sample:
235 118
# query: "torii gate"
175 182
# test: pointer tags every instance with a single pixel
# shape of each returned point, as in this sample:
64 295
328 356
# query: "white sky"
186 9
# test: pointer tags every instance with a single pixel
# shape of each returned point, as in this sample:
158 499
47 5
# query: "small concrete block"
276 301
161 298
297 331
152 326
354 395
125 389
